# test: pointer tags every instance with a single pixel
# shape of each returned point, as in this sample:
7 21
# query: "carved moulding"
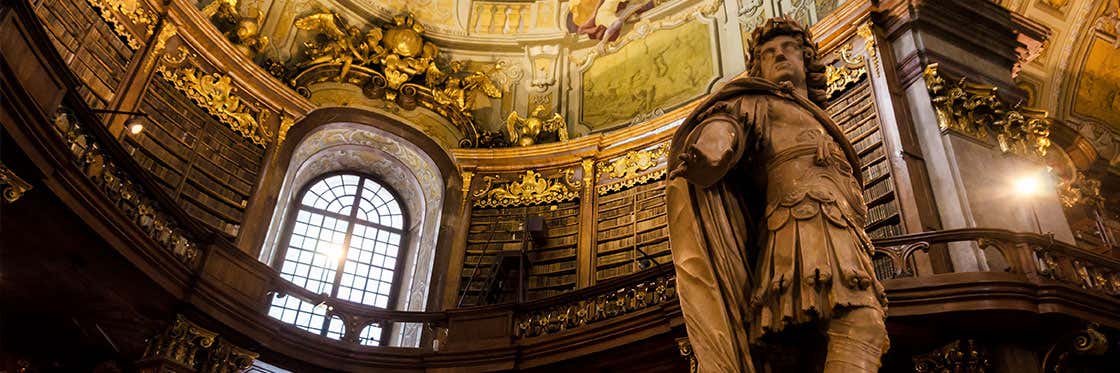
850 71
16 186
1070 347
217 95
396 63
965 356
629 170
579 313
192 346
977 111
131 10
130 199
529 189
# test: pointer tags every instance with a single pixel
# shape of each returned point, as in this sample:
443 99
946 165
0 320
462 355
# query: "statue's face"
781 59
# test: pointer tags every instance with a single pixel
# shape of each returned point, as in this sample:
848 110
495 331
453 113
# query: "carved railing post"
685 349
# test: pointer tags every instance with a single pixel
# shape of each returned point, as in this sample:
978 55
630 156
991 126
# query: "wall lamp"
134 124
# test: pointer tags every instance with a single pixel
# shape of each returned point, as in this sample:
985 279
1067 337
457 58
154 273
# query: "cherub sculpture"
338 46
527 131
242 30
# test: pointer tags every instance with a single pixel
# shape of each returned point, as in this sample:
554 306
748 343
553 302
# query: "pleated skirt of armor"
812 264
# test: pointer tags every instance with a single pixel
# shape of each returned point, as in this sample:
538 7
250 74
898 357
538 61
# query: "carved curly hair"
815 79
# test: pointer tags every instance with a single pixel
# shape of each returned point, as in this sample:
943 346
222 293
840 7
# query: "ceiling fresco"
1098 88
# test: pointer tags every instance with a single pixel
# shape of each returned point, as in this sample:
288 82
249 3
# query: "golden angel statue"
339 46
527 131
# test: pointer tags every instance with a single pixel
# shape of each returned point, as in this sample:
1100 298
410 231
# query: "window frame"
296 205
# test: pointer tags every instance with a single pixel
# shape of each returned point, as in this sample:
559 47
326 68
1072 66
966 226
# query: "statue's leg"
857 339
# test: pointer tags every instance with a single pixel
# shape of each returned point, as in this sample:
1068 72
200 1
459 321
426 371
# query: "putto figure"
766 219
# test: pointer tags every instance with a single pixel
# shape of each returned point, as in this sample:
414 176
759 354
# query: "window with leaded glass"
344 240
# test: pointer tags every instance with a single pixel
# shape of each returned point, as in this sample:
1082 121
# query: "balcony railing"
1038 257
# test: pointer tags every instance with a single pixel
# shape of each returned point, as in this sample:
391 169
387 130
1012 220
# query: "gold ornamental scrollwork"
286 123
14 186
850 71
216 93
394 62
131 10
628 170
529 189
977 111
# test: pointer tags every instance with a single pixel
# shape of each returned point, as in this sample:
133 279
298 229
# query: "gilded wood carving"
394 62
131 9
977 111
529 189
850 71
216 93
629 170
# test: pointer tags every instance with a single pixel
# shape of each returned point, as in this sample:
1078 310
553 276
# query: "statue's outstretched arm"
711 150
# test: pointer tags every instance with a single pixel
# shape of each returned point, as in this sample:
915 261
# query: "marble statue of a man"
766 217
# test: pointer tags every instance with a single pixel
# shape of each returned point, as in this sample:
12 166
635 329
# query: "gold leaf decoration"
130 9
628 169
529 189
850 71
977 111
216 93
396 63
286 123
868 35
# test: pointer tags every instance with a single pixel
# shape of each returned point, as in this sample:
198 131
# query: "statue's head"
783 51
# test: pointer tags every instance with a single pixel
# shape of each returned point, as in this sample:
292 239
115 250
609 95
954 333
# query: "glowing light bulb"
135 128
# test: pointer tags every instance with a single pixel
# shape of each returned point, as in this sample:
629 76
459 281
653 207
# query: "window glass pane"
371 335
336 329
295 311
320 241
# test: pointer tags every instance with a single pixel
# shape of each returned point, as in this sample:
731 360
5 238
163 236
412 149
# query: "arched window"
343 240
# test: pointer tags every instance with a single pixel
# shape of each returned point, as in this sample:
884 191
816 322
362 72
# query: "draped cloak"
716 220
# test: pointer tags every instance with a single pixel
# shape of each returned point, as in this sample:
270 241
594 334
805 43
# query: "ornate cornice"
530 189
187 344
977 111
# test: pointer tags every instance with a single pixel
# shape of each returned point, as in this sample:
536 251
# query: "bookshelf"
206 166
94 53
551 265
855 112
630 220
